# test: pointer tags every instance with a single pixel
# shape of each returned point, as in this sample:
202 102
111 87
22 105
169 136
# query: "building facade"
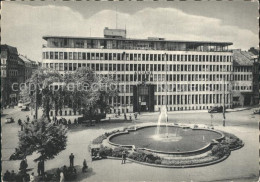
10 72
29 67
185 75
245 82
15 69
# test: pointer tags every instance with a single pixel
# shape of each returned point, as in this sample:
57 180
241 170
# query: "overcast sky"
24 23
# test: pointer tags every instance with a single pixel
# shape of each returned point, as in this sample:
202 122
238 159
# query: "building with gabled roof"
245 78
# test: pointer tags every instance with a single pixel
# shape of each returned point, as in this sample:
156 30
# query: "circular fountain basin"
170 139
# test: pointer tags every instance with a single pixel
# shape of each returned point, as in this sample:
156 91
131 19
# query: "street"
240 164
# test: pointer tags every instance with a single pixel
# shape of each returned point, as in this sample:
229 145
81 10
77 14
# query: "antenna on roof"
116 17
125 29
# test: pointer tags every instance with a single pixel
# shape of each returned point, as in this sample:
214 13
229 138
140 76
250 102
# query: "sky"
25 23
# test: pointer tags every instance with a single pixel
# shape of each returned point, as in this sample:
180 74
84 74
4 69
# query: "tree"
43 83
90 92
42 137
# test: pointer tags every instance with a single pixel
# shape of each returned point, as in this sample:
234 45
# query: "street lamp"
124 58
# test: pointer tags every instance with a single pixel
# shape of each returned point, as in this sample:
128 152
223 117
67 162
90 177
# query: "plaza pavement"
241 165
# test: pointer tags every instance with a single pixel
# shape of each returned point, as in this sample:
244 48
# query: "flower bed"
219 152
100 138
232 141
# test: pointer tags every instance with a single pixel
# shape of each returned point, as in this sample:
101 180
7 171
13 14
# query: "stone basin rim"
192 152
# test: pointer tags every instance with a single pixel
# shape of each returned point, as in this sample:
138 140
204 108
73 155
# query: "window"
61 55
65 55
56 55
51 55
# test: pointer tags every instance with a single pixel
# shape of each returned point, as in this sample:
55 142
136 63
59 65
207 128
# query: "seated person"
7 176
85 166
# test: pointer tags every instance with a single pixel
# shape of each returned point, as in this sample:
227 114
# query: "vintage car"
9 120
216 109
25 108
257 111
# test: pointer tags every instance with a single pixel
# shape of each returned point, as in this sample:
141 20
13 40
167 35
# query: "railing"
146 49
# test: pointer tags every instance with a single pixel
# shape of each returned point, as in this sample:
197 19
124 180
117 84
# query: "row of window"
248 88
134 57
242 69
137 67
171 77
243 77
172 87
174 99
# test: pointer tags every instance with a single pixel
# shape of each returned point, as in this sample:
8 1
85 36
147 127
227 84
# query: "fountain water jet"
165 136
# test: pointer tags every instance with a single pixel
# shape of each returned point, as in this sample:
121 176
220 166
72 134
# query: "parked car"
25 108
216 109
257 111
20 104
9 120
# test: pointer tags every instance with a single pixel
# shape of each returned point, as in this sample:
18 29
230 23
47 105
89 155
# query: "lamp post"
224 116
124 58
166 99
36 98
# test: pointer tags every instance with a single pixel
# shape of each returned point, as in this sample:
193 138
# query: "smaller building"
245 89
9 74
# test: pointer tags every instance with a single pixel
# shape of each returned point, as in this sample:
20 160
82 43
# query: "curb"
243 144
173 166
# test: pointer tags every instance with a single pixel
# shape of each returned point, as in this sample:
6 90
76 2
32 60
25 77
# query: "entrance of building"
143 98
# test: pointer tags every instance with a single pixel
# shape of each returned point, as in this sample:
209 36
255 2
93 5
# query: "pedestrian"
23 166
125 116
19 122
130 117
28 119
58 173
118 112
7 176
61 176
71 160
85 166
69 122
32 178
12 176
135 115
123 157
39 168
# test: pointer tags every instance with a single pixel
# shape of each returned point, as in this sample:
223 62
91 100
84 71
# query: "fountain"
165 136
163 116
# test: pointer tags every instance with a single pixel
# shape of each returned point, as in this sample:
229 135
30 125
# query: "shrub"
220 150
158 161
232 141
105 151
99 139
144 157
117 152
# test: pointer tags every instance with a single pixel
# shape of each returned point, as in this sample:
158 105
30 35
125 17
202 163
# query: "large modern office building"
185 75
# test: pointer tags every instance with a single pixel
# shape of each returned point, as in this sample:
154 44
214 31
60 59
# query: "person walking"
23 166
71 160
123 157
61 176
39 168
19 122
135 115
125 116
85 166
22 127
32 178
130 117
